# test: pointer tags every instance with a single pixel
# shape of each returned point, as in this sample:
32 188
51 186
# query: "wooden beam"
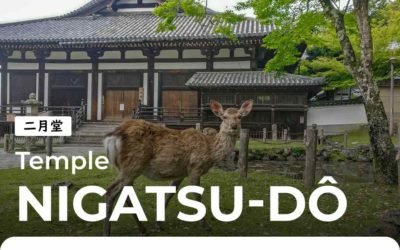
116 45
151 53
41 71
4 54
135 5
94 55
180 53
272 116
252 51
133 60
210 53
41 55
232 52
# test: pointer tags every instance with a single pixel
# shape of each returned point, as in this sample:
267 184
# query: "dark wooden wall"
23 83
67 88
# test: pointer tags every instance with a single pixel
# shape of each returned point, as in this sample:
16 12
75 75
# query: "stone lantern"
32 105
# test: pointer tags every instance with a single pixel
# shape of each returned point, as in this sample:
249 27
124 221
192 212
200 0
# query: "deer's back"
161 153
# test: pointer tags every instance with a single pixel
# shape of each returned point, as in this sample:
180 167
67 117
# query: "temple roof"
117 28
251 79
89 8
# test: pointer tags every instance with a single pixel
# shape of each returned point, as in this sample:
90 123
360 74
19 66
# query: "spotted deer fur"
138 148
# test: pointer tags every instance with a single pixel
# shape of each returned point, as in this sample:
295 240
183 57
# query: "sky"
21 10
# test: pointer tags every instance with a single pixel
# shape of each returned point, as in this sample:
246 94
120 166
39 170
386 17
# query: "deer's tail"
112 145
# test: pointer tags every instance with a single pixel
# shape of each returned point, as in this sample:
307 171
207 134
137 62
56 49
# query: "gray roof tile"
90 7
251 79
119 27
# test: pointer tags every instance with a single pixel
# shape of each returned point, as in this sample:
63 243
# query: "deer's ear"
216 108
246 108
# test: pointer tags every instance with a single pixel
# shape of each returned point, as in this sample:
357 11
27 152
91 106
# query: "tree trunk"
382 147
361 70
383 150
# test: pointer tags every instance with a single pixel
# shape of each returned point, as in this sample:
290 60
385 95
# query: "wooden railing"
77 113
335 102
168 115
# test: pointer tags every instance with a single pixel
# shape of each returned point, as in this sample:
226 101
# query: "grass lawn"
259 145
357 137
365 203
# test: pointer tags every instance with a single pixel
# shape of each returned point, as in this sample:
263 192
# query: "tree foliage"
302 21
334 27
325 59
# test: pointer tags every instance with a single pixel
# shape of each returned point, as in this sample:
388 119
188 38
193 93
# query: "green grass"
356 137
259 145
365 203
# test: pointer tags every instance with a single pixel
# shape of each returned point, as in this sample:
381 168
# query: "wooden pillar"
274 129
41 55
4 54
94 55
252 51
264 135
4 87
285 135
272 120
210 53
151 53
305 119
345 139
311 157
6 142
322 137
243 152
398 157
49 145
11 146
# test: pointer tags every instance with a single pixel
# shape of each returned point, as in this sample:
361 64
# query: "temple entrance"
121 94
119 104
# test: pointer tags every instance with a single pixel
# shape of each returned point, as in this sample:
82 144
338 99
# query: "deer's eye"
224 117
239 117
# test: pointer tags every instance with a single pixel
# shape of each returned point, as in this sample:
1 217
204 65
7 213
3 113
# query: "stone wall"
329 153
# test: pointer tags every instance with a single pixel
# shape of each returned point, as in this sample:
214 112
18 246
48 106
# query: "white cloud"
21 10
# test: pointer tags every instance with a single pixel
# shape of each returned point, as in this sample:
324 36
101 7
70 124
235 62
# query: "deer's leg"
112 192
195 181
142 229
168 197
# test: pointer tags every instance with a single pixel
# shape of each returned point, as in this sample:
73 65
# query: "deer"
137 147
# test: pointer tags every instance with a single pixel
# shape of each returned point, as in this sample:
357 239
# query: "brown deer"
138 148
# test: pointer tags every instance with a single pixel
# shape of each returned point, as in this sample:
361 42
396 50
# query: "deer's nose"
234 126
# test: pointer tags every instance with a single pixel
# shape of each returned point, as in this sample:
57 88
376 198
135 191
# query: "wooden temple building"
108 56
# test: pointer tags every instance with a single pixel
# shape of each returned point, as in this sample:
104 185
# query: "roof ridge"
245 79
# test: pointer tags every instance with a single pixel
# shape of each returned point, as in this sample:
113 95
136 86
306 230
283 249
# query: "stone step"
91 133
83 141
101 123
84 145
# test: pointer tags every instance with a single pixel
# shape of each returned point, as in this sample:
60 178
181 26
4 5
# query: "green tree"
300 21
326 57
385 29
